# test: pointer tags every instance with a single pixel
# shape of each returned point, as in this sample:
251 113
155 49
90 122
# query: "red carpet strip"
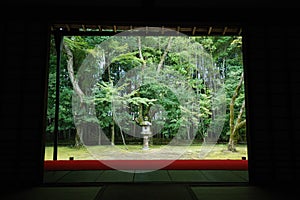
146 164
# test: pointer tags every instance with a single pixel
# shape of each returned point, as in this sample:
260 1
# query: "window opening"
151 91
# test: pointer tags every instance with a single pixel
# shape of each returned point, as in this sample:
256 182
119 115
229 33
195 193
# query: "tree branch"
140 52
160 64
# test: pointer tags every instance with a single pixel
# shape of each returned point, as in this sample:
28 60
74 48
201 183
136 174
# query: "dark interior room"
271 47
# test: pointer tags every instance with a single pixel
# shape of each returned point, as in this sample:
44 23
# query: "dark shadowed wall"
271 36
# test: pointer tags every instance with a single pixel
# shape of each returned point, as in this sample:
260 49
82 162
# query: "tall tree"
76 87
84 115
235 125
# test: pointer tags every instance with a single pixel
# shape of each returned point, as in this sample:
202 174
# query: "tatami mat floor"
161 176
156 185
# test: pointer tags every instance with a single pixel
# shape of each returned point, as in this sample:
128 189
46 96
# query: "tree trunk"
162 60
188 132
140 52
141 111
113 133
238 124
140 117
70 64
78 141
76 88
123 138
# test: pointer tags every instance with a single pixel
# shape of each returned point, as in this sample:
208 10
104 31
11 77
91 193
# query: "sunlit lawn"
218 151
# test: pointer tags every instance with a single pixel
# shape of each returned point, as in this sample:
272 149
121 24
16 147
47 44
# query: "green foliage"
226 53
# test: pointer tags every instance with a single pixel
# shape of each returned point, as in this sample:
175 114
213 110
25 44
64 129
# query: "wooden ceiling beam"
103 29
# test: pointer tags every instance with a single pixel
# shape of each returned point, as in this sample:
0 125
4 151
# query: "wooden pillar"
58 44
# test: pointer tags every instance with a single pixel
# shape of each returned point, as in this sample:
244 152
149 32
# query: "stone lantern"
146 132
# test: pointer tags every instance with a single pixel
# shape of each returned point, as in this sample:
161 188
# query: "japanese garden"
173 96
